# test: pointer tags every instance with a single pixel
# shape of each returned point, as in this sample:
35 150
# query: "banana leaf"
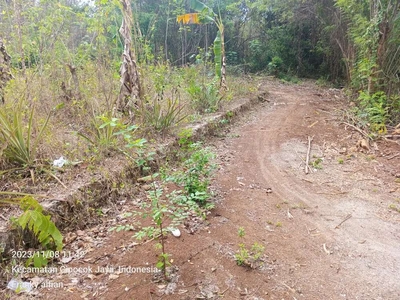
201 7
217 54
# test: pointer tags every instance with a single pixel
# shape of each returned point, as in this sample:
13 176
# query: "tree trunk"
129 95
5 74
77 93
223 86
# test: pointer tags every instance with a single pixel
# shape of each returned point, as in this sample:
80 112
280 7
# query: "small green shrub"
106 130
19 136
195 178
205 97
275 66
249 257
373 108
317 163
44 230
162 118
242 256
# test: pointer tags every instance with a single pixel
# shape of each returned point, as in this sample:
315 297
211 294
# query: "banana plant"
205 15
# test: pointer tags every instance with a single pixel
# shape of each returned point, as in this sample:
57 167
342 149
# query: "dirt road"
329 234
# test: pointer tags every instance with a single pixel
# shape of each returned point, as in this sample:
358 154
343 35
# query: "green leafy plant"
257 251
249 257
242 256
241 232
159 212
317 163
205 14
162 118
185 138
204 96
42 227
275 66
106 130
373 108
195 178
143 159
18 135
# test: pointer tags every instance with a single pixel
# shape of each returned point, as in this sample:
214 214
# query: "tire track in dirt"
361 272
267 150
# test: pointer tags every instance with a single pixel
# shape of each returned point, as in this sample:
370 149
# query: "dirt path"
327 235
361 257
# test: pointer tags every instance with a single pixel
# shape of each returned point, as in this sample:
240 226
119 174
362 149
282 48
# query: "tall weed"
373 108
19 134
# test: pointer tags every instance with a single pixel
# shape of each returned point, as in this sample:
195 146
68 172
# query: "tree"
129 94
205 15
5 74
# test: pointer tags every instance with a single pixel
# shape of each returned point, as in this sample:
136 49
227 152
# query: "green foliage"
42 227
317 163
207 15
258 59
243 255
249 257
204 96
159 211
195 178
275 66
218 54
19 135
373 109
241 232
162 118
163 261
373 29
106 131
185 138
143 159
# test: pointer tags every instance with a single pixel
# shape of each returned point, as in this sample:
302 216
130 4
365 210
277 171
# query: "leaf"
201 7
217 54
160 265
33 219
192 18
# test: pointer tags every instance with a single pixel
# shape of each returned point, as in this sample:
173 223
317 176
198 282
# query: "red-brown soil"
329 234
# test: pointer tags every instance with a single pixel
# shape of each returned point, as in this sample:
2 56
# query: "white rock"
175 232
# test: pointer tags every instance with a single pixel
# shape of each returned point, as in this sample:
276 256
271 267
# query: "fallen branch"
307 167
56 178
362 132
334 193
393 156
392 136
345 219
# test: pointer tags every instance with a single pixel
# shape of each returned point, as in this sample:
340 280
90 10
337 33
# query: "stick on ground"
344 220
307 167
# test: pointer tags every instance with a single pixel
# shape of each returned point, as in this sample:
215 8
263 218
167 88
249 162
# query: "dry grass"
50 90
